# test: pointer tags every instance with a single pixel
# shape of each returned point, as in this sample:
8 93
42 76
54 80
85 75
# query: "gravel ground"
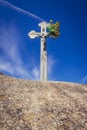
34 105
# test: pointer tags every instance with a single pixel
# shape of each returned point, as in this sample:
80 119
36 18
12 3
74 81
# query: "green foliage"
53 29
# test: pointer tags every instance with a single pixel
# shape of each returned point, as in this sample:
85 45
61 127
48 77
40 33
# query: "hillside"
34 105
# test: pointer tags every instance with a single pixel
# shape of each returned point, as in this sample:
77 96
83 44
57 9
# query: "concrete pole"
43 53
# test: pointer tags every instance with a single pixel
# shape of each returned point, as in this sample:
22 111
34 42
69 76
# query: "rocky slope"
34 105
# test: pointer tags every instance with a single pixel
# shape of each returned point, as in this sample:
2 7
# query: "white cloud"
17 70
5 66
23 72
51 63
9 42
10 58
84 80
35 73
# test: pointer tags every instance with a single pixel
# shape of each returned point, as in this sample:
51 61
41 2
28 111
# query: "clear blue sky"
67 55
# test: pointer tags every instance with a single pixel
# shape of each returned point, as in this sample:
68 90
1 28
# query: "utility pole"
43 53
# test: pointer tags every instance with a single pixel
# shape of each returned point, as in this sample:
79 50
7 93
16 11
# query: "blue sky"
67 55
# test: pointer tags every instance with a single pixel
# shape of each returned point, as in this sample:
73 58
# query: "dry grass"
32 105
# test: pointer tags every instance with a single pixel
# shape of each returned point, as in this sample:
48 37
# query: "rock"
1 73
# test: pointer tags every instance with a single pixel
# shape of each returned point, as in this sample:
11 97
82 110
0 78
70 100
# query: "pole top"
44 24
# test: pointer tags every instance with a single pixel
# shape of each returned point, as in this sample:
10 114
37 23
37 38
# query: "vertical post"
43 53
54 32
